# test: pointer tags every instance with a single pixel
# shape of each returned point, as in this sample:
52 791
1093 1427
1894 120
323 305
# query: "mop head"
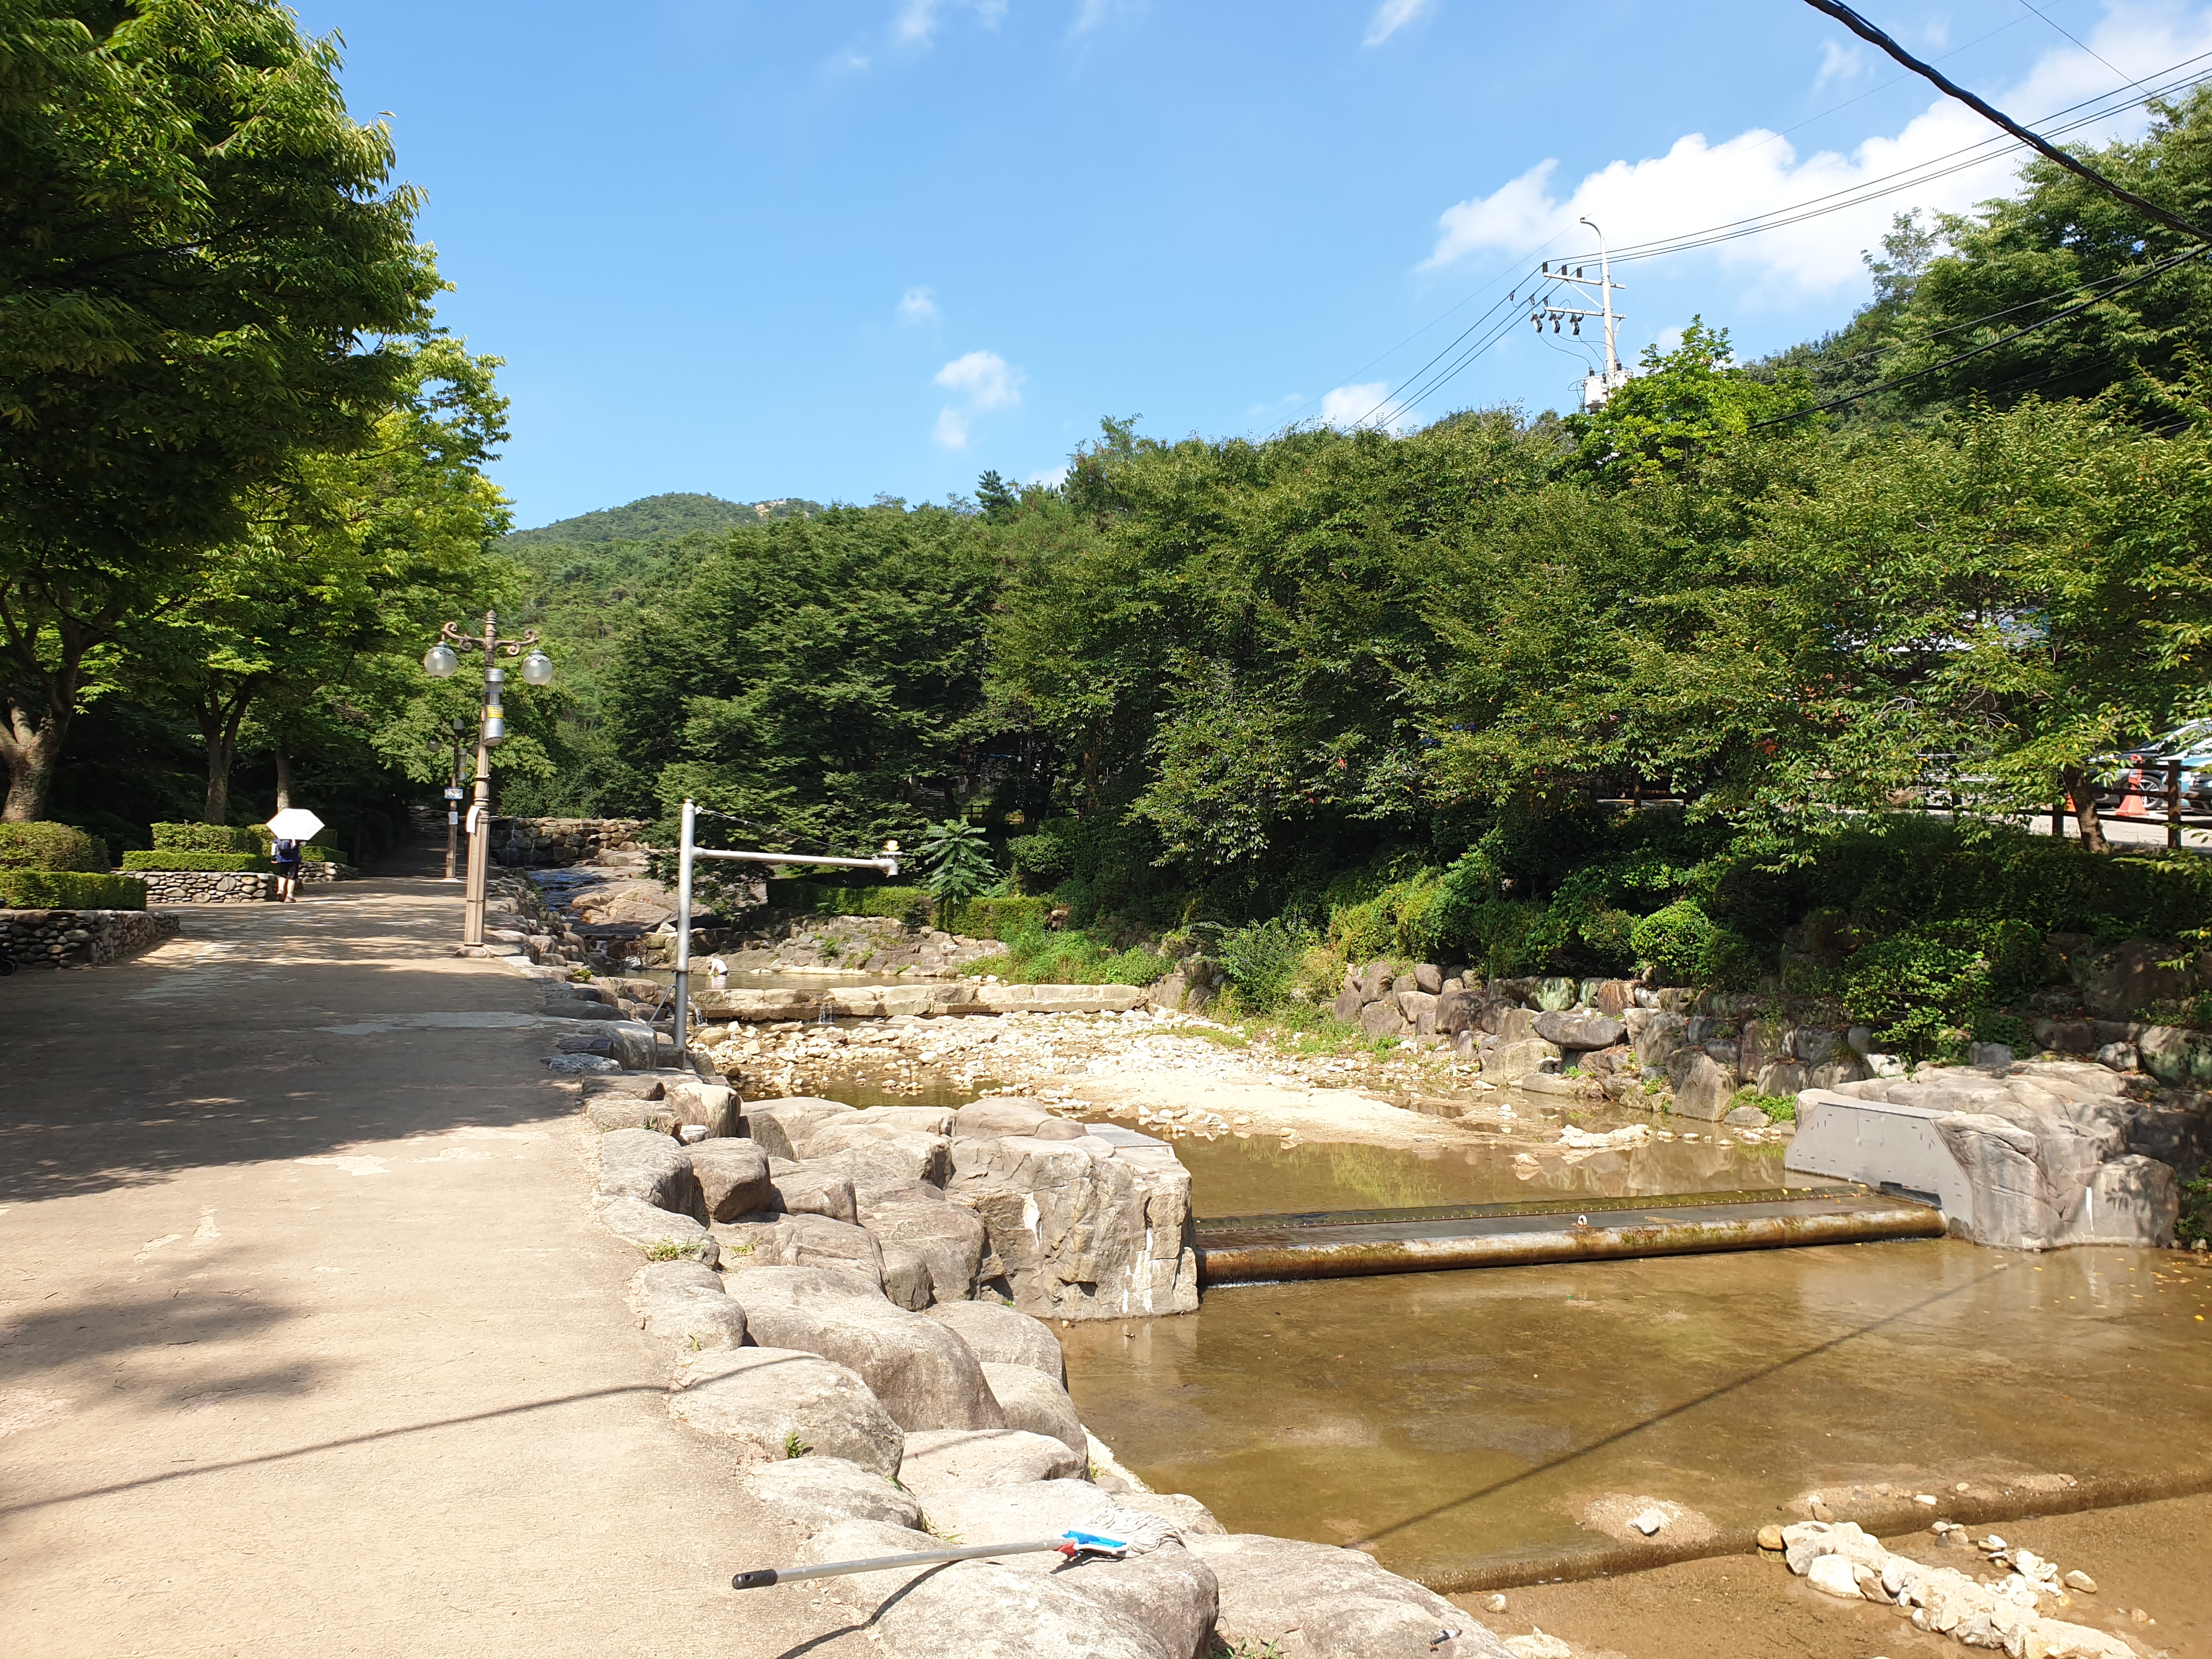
1121 1533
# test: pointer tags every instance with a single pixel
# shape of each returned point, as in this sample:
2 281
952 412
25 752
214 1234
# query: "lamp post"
440 662
452 789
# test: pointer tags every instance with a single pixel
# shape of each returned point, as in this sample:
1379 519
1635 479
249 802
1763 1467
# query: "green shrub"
315 853
166 858
1930 988
68 890
995 918
2195 1221
1034 957
1264 961
1675 939
910 905
45 846
207 838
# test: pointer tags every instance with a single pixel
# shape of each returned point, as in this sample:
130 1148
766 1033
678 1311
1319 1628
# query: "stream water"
1495 1425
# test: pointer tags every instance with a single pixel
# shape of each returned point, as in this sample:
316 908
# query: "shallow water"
1454 1420
1255 1175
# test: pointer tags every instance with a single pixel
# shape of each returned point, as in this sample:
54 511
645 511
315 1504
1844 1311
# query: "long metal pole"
684 933
1605 289
472 897
453 812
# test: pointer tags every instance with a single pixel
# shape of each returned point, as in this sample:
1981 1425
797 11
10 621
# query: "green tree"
998 499
198 262
348 556
1681 401
957 859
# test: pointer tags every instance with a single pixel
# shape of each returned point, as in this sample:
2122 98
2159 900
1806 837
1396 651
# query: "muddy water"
1450 1421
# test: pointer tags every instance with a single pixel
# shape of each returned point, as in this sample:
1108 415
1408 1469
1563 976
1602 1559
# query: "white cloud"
1394 15
917 306
1093 13
1697 182
1367 403
1839 62
985 381
1051 478
986 377
918 20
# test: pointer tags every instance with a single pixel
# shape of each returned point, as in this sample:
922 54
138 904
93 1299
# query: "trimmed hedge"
169 858
997 918
202 838
45 846
316 853
910 904
68 890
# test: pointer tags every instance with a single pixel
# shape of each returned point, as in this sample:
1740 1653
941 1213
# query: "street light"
440 662
460 731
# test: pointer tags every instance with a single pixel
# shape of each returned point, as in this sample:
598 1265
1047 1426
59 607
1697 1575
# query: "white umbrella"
295 823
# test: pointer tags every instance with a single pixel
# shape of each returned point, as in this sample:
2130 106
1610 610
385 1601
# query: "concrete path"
308 1341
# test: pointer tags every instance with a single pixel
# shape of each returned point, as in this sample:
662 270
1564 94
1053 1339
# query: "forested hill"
654 517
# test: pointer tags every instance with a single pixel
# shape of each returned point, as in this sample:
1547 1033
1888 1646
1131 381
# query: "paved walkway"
308 1341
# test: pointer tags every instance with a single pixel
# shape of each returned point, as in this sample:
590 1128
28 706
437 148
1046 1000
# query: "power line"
2159 268
1866 31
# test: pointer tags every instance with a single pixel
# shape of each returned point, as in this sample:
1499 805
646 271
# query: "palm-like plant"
957 859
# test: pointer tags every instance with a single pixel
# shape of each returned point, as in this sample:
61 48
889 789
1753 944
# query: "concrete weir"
1352 1243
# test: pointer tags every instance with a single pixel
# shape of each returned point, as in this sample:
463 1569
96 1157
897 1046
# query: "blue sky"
860 246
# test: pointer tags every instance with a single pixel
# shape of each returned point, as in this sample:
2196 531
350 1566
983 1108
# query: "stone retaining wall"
59 939
883 1001
206 886
557 843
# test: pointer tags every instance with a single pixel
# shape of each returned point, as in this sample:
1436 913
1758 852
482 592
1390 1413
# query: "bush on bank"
170 858
68 890
41 845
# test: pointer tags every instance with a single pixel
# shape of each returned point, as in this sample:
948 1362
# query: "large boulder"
1032 1401
2176 1056
732 1177
994 1610
713 1106
924 1374
780 1124
805 1241
949 1238
880 1153
2120 983
999 1335
1011 1115
1657 1036
940 1459
907 1283
771 1403
1510 1062
1579 1028
639 1164
659 1233
1094 1228
1419 1008
1554 994
1703 1088
1382 1019
1456 1011
867 1538
1314 1601
810 1190
682 1302
1164 1588
818 1492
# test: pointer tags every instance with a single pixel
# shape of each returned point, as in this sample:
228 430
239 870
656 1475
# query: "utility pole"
1596 388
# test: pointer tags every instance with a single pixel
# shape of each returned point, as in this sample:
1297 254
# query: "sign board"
453 792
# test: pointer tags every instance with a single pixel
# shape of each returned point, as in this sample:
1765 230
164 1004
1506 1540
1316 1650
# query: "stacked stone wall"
206 886
557 843
73 938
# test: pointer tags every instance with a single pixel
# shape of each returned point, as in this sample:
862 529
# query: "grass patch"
1072 957
1779 1109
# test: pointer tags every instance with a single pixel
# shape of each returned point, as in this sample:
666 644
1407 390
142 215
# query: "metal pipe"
1317 1247
682 987
762 1577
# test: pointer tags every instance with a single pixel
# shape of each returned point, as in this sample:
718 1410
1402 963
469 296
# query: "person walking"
285 854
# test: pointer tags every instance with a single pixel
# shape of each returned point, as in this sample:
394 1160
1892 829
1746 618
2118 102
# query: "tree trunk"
284 780
32 751
2081 796
219 726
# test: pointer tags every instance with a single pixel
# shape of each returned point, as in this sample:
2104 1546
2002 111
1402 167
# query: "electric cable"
1867 32
2159 268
